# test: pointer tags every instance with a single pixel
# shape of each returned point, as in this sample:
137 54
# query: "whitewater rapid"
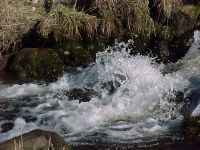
131 97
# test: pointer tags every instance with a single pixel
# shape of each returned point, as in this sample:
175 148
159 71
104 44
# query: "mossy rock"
35 64
76 56
82 55
36 140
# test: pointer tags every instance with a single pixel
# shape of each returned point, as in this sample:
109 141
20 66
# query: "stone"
35 64
191 127
6 127
83 95
36 140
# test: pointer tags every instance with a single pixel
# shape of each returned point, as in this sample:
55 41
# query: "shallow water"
118 99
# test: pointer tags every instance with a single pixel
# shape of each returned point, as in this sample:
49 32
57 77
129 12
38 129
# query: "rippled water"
120 98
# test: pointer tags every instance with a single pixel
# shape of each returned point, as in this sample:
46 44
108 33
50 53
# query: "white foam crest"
61 84
189 66
18 90
21 90
141 91
20 127
141 94
196 111
131 88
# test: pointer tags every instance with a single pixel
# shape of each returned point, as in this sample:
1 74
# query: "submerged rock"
36 140
84 95
6 127
35 64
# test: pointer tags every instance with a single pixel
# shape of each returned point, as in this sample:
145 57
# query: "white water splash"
136 99
196 111
33 89
189 68
20 90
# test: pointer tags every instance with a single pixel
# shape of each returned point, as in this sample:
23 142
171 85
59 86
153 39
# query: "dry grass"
16 18
114 17
168 6
165 31
109 26
191 10
111 13
68 22
18 145
143 23
119 14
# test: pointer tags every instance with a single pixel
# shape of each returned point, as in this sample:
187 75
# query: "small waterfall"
129 97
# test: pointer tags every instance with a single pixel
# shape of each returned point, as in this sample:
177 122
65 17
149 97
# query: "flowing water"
118 99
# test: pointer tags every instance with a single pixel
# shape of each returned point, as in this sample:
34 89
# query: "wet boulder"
6 127
83 95
75 56
184 23
35 64
191 127
36 140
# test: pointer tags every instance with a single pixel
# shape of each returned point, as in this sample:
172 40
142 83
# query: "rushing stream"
120 99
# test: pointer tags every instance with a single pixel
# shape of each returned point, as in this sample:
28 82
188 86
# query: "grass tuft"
125 14
16 18
191 10
109 20
68 23
168 7
165 31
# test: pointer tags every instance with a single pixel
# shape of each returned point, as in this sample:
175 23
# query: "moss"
58 142
165 31
32 63
81 53
191 10
79 56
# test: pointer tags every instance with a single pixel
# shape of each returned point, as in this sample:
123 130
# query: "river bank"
100 75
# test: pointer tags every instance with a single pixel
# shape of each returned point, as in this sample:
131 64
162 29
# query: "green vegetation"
111 19
191 10
68 23
168 6
16 19
165 31
36 64
124 14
